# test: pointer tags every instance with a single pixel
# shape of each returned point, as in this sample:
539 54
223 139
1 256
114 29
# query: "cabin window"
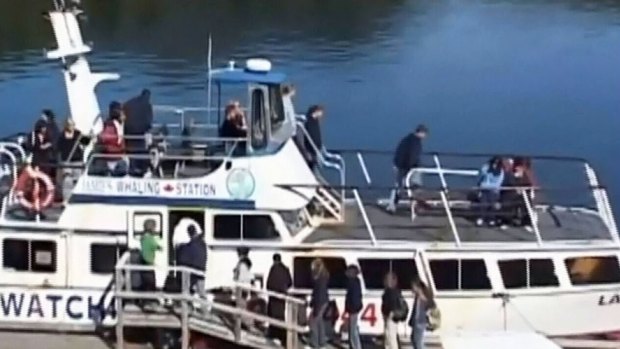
302 275
374 271
593 270
29 255
523 273
460 274
244 227
259 127
277 108
103 257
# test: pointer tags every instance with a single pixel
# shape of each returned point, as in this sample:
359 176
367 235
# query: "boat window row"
40 256
465 274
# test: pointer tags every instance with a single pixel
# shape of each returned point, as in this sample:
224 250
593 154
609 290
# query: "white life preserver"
46 196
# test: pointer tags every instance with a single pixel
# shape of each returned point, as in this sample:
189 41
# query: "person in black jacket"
139 120
279 280
314 145
194 255
406 157
353 305
389 304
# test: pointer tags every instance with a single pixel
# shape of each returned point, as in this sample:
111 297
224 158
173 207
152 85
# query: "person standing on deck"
353 305
407 157
279 280
314 145
318 304
193 254
139 113
242 274
393 308
149 245
422 305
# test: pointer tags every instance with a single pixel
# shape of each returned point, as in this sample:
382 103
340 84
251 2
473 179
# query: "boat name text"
609 300
37 306
148 187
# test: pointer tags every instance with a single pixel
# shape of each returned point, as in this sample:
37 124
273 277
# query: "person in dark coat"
194 255
279 280
406 157
389 304
139 113
53 130
353 305
313 127
42 148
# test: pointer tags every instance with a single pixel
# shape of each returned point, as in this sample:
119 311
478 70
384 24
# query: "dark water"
486 76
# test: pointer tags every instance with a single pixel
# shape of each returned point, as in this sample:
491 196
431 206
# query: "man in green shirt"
149 245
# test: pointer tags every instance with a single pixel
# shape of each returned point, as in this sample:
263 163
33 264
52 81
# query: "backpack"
401 312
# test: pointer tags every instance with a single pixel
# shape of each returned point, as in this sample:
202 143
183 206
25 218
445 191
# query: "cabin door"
258 118
135 228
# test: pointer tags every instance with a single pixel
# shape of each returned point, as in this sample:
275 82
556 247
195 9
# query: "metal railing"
602 203
193 307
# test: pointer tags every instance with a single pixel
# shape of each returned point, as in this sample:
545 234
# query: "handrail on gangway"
206 315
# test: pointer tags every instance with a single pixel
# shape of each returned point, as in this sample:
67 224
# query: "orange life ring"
41 199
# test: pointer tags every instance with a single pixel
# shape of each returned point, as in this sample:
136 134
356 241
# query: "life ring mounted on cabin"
41 192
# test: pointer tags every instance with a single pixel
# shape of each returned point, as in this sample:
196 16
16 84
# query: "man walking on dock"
407 157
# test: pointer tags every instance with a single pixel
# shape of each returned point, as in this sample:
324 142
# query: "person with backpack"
394 310
423 304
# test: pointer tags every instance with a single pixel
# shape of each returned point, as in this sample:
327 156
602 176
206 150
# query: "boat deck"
433 226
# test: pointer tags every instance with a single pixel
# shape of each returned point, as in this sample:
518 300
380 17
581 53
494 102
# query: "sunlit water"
485 76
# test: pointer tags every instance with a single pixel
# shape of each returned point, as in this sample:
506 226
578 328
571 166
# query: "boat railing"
174 151
193 117
329 160
210 315
602 202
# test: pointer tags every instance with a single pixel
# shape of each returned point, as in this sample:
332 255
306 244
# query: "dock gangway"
217 315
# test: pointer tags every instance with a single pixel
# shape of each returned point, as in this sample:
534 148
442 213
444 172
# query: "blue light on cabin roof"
240 76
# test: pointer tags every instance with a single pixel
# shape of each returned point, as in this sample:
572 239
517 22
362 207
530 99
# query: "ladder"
222 319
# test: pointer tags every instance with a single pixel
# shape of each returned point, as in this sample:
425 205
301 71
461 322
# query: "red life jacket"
111 140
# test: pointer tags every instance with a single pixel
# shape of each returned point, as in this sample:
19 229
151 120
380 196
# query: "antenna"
209 54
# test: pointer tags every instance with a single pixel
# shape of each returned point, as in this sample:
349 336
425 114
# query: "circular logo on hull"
240 183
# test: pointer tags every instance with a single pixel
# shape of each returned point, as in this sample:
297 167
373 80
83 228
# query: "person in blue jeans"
418 320
353 305
490 184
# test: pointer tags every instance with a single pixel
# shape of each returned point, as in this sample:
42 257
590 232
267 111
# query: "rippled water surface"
486 76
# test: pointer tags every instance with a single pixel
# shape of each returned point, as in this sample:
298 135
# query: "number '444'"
369 315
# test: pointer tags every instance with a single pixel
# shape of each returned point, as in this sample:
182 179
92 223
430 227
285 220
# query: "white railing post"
118 302
360 158
186 292
533 217
360 206
445 201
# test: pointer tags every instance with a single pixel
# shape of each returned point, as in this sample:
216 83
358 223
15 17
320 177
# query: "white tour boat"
560 278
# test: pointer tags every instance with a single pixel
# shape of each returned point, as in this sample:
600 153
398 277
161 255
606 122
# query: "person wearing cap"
353 305
407 157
